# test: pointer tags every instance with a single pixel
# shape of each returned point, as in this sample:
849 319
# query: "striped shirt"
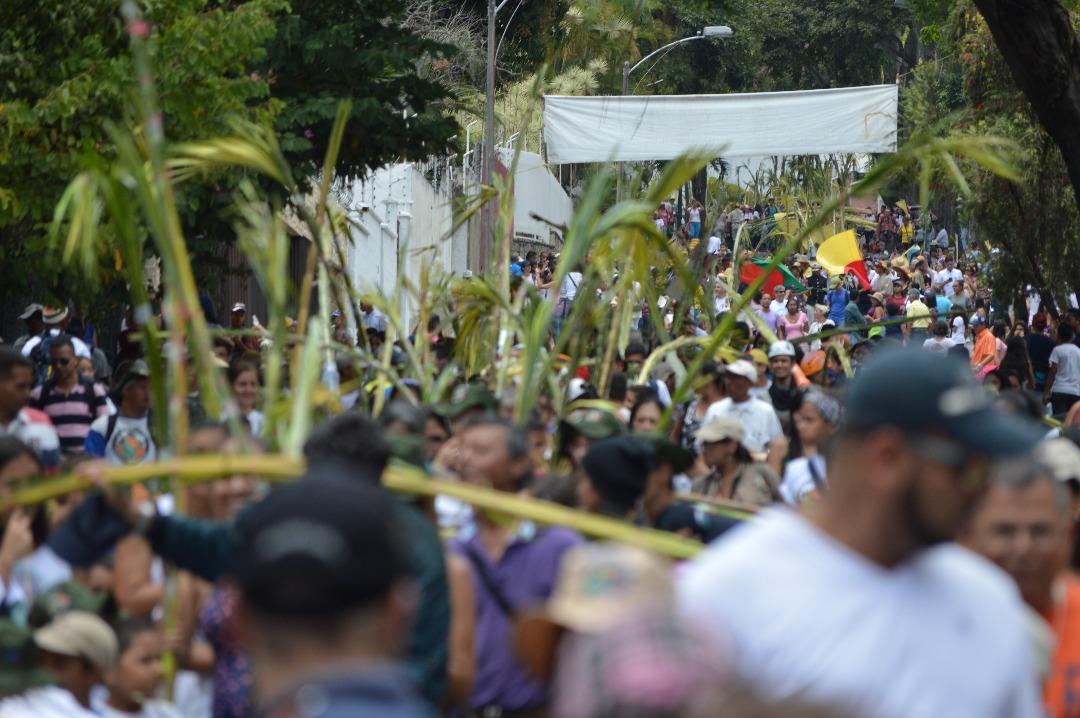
71 413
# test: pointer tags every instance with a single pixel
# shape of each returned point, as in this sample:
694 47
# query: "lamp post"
712 31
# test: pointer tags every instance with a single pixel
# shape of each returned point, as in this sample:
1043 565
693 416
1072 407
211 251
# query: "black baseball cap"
915 390
319 547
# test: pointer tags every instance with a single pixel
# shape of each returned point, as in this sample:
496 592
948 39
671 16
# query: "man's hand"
94 472
18 541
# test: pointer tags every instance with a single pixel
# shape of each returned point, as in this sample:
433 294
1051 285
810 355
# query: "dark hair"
1016 356
11 358
712 371
642 400
959 351
127 628
403 412
350 442
557 489
61 341
892 309
1065 333
241 366
1021 401
617 388
12 448
941 328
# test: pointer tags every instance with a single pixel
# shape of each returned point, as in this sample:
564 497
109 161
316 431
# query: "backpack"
41 359
88 395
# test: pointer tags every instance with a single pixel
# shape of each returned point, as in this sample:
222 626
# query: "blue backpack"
42 360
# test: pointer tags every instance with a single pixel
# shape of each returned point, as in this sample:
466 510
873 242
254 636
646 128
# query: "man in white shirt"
763 433
863 601
714 246
372 318
946 279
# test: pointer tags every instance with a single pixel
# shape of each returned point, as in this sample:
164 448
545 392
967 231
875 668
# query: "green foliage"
66 69
1033 218
329 51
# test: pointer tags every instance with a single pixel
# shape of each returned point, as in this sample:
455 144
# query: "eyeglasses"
972 470
60 362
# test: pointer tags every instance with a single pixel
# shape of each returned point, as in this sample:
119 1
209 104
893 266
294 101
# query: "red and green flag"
780 275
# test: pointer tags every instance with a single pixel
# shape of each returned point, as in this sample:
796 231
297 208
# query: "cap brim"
997 434
52 639
537 638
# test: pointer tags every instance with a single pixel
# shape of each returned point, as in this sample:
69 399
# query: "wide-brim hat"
599 586
51 315
31 310
464 398
719 428
592 421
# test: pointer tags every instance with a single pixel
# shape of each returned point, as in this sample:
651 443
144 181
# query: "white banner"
806 122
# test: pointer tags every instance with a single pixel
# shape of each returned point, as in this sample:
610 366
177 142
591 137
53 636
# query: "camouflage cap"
61 598
465 397
20 660
592 421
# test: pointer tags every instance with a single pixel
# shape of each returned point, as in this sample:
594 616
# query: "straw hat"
599 585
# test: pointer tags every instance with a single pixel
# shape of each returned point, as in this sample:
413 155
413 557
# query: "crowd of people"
885 513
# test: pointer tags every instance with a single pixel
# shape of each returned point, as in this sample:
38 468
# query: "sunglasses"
972 470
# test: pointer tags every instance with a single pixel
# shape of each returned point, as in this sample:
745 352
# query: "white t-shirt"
959 331
569 287
150 709
714 245
1067 359
945 279
47 702
803 616
130 442
941 347
798 483
758 420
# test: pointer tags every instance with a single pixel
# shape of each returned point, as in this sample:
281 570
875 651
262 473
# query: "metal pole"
489 137
622 166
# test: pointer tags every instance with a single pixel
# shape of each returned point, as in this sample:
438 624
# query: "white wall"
405 218
536 191
403 212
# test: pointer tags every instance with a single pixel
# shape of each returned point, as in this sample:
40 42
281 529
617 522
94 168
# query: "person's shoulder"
100 424
718 408
968 574
558 536
747 551
36 417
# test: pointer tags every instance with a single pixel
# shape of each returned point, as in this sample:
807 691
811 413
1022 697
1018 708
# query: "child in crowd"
136 677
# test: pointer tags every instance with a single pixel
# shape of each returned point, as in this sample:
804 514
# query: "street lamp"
718 32
712 31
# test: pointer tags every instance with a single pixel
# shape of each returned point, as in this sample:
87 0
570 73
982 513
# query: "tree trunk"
1037 40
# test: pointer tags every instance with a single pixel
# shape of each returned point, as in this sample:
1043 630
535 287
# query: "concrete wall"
537 192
